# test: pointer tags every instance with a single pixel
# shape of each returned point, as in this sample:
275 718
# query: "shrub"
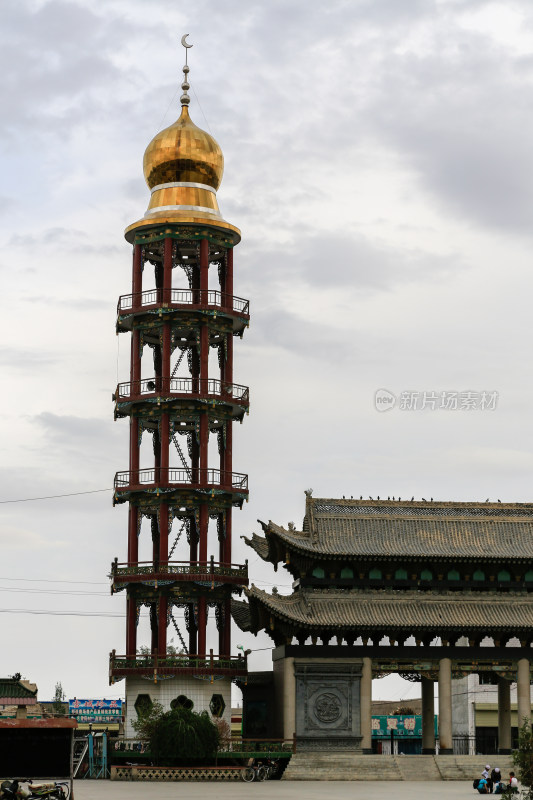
179 735
523 760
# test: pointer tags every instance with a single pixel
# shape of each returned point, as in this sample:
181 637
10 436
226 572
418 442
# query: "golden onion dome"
183 167
183 153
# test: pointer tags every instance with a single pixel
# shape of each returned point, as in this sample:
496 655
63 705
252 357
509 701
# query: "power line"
53 496
44 612
50 580
52 591
59 613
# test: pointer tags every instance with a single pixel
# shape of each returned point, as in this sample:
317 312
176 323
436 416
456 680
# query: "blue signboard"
99 712
402 725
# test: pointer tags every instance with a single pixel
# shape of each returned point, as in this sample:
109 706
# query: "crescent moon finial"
185 99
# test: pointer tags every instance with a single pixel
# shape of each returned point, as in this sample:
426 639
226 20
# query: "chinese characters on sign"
95 711
436 400
406 725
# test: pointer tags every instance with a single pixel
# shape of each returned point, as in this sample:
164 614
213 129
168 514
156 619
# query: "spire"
185 99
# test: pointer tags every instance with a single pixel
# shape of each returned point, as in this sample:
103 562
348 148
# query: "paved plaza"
280 790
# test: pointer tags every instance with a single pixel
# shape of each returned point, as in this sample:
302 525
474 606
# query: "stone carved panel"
327 704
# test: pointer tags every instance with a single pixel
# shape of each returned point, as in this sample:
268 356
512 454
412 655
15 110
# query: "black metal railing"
206 570
153 663
189 386
184 297
187 477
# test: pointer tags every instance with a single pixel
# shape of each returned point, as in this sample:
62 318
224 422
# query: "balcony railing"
158 476
209 570
189 386
195 298
239 747
244 747
155 665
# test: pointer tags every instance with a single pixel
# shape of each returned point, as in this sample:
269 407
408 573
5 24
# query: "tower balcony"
208 301
152 390
161 481
156 667
122 575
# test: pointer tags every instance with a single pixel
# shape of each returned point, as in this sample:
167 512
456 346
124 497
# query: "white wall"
199 691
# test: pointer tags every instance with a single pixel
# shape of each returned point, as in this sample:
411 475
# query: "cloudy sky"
379 164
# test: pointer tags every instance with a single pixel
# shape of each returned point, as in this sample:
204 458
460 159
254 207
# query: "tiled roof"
393 529
11 688
401 610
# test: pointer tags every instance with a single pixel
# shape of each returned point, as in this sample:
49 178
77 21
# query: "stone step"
330 766
453 768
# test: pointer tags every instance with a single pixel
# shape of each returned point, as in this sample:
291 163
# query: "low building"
17 696
475 714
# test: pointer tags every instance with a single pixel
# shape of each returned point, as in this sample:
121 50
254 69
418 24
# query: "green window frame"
401 574
503 575
318 572
426 575
346 572
478 575
375 574
453 575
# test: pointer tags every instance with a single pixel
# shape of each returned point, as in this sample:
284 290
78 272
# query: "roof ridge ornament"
185 99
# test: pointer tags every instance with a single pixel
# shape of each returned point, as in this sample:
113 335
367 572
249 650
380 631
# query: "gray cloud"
27 360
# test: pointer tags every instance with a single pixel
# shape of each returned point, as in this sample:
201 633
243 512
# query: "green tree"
59 697
179 735
523 760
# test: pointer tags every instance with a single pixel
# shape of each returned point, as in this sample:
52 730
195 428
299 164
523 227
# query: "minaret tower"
182 318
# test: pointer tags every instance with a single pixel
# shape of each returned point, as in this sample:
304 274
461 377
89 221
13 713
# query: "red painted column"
133 545
137 277
154 624
202 625
204 521
134 450
135 365
165 419
165 435
204 359
162 626
228 279
202 601
165 357
167 270
226 559
163 533
225 545
193 644
131 627
204 271
135 376
224 634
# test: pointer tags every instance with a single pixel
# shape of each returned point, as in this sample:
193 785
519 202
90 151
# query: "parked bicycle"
272 768
262 771
254 772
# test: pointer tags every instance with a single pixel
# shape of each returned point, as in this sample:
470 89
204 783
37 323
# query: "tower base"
213 697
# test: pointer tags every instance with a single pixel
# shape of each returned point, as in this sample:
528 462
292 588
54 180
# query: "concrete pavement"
275 790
